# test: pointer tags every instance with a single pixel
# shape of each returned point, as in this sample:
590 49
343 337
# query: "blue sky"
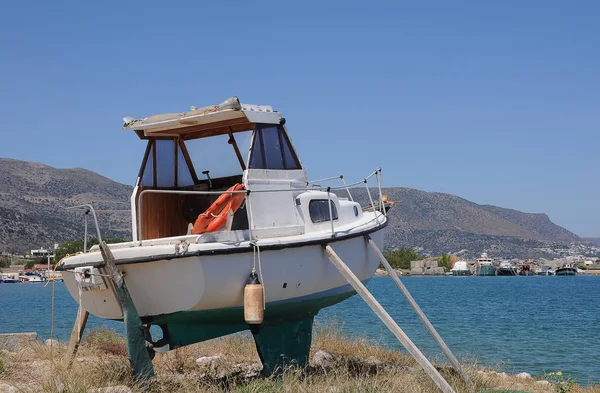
496 102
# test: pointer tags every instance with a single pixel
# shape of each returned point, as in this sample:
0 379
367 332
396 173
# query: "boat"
30 277
545 270
10 278
460 268
566 270
485 266
526 269
189 261
506 268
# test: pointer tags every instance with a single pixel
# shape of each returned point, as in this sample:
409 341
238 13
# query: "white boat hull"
213 282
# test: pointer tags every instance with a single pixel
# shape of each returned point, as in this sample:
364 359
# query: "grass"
357 366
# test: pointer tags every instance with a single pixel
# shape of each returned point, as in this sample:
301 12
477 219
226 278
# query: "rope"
52 312
256 250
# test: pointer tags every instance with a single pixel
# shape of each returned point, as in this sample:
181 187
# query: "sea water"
532 324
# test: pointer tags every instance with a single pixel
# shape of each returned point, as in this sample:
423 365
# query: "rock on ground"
52 342
323 359
524 376
208 360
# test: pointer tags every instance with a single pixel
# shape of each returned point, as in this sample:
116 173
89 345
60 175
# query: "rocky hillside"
433 223
34 198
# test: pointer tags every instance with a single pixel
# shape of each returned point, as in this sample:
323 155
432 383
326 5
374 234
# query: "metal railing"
345 186
87 209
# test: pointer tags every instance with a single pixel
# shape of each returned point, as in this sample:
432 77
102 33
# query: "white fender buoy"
254 306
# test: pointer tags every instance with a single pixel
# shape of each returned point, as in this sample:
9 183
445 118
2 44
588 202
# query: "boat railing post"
381 205
330 212
371 199
430 328
88 208
347 189
85 234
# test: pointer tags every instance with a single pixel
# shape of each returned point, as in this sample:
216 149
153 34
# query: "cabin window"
217 155
184 177
164 155
271 149
165 162
319 211
148 174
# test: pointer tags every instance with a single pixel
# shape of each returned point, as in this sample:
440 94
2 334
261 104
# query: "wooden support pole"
139 358
438 339
388 321
76 335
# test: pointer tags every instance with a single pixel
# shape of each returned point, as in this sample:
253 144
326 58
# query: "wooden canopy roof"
229 116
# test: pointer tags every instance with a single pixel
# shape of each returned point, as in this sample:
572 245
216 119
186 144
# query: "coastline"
402 272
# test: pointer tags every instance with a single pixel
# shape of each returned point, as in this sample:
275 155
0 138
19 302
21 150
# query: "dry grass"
357 366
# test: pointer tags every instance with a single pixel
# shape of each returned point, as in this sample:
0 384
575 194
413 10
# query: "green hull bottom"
189 327
283 339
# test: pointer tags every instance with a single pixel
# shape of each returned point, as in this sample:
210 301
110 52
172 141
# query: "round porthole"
356 211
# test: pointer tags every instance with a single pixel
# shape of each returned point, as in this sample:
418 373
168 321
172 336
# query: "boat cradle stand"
284 345
392 325
140 360
138 354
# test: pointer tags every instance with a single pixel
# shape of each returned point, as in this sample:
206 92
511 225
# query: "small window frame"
258 156
326 218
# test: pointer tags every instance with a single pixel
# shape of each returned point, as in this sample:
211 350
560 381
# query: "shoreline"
337 363
406 273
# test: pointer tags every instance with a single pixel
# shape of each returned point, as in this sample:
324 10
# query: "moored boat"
506 268
545 270
566 270
460 268
526 269
30 277
485 266
196 240
10 278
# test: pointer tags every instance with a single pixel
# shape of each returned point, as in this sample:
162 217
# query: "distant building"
42 252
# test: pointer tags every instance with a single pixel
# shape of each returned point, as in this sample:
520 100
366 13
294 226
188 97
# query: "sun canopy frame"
228 117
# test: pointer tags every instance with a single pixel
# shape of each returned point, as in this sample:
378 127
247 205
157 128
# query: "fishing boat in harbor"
545 270
506 268
526 269
566 270
460 268
223 200
485 266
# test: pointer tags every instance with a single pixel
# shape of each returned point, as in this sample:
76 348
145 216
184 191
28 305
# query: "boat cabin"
192 158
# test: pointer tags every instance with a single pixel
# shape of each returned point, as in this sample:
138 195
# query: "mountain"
34 198
432 223
592 240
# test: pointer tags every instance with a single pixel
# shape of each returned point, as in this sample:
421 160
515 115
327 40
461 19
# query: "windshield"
216 155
